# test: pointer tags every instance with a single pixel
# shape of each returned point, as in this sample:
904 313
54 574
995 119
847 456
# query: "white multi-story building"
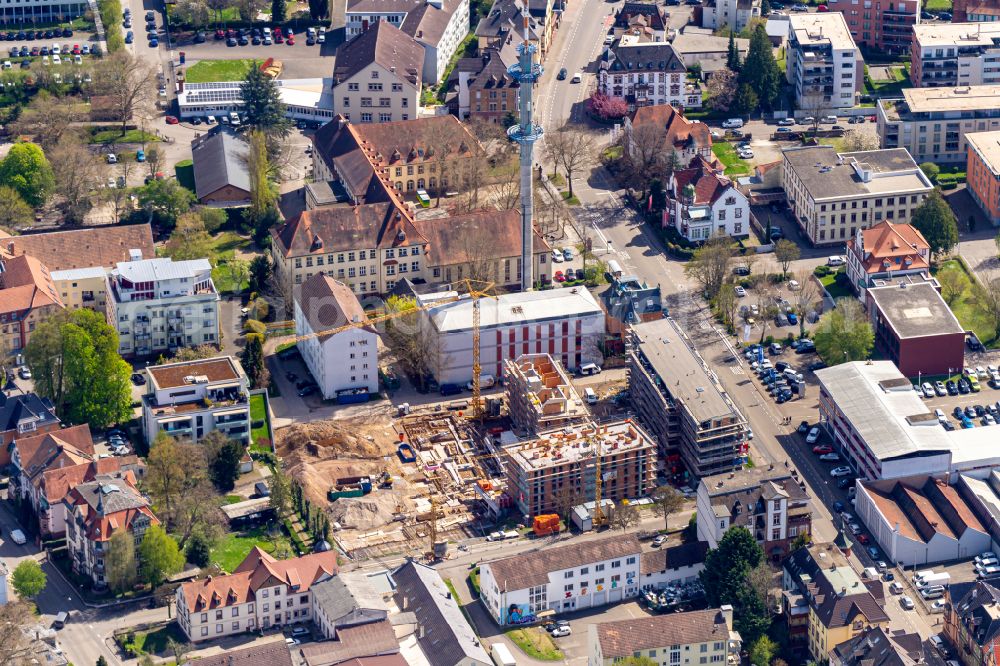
262 592
162 305
567 324
955 54
645 74
672 639
701 203
377 76
824 63
566 578
192 398
19 14
345 361
732 14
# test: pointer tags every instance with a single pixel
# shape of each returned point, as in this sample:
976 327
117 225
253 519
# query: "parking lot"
985 398
299 61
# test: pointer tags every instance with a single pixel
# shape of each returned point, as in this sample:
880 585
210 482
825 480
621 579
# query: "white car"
830 457
813 435
746 154
659 541
906 602
112 158
896 587
740 291
927 389
732 123
562 630
937 606
981 372
17 536
988 555
557 257
793 285
835 260
843 470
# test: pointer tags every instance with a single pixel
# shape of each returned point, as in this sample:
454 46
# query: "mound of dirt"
368 512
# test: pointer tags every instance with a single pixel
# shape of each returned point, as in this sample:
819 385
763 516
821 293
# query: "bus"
423 199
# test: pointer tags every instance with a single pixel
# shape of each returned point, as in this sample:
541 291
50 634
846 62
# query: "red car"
76 49
863 538
277 32
823 448
559 277
290 41
171 120
822 8
230 33
279 38
220 34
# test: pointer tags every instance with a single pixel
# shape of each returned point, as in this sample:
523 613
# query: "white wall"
347 360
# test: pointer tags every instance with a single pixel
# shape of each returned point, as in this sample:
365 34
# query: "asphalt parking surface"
299 61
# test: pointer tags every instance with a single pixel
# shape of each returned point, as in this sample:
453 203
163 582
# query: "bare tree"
727 303
15 648
154 160
747 260
119 198
77 174
989 296
47 119
710 264
766 307
643 149
722 89
666 501
786 251
857 140
508 189
624 516
128 82
574 150
807 299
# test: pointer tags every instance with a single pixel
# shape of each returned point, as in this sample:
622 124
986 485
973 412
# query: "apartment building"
561 578
437 25
680 400
701 203
955 54
881 26
563 462
972 621
732 14
540 395
377 76
664 130
340 362
833 195
824 63
842 605
650 17
261 593
162 305
884 251
769 502
486 90
505 23
646 74
933 123
28 296
80 259
882 647
24 415
671 639
190 399
983 172
568 324
98 510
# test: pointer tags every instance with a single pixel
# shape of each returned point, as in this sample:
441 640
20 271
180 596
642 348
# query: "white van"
590 396
590 369
577 78
732 123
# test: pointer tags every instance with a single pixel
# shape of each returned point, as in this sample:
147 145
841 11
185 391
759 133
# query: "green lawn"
967 308
258 412
224 250
211 71
155 642
938 5
893 88
184 170
727 155
233 549
130 136
536 643
831 285
570 199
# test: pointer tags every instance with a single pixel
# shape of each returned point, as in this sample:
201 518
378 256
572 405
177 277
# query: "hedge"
111 17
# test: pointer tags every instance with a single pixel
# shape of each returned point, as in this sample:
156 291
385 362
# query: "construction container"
406 454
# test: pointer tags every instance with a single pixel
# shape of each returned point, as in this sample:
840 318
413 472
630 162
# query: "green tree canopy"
119 562
224 456
28 579
262 103
159 556
844 333
733 54
746 100
726 578
252 360
75 362
166 200
936 221
260 273
760 70
14 211
27 170
763 651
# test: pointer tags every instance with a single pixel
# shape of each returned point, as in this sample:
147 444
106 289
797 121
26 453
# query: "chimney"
421 634
727 613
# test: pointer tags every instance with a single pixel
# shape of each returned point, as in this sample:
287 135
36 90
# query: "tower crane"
599 519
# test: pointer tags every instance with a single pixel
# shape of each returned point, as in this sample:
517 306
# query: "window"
353 87
630 560
366 117
347 101
616 564
599 567
568 574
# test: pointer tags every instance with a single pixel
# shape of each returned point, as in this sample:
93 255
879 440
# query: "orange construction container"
547 523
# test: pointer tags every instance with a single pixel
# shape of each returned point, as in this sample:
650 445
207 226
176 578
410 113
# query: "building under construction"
564 467
540 395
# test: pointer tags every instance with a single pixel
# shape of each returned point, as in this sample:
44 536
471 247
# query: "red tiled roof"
83 248
708 184
101 526
893 243
62 448
483 235
678 132
25 285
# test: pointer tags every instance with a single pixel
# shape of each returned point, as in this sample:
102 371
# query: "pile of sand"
369 512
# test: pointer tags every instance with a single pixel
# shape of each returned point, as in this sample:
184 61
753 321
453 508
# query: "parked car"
24 372
830 457
840 471
813 435
906 602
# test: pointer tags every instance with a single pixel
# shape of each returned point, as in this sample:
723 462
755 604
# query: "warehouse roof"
915 310
826 174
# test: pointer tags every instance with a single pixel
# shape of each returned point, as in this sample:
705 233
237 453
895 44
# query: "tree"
760 70
198 551
806 299
844 333
127 82
721 89
223 455
624 516
238 271
953 285
262 196
189 239
785 251
987 296
14 212
27 171
159 556
763 651
279 499
726 581
733 54
74 359
262 105
278 11
727 304
101 661
857 141
666 501
709 264
28 579
259 273
746 100
606 107
76 173
177 481
119 562
253 360
15 646
935 220
47 118
319 9
931 170
166 199
154 160
572 150
193 13
406 338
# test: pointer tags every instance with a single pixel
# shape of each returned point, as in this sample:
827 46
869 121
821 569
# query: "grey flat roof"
683 371
915 310
827 175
